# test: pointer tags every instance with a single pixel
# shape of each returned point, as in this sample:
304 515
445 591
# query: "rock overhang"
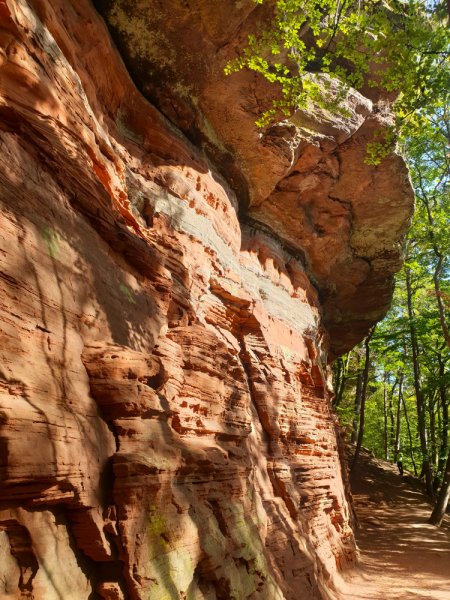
164 394
305 179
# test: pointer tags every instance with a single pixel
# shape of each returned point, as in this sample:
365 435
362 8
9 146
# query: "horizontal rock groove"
168 321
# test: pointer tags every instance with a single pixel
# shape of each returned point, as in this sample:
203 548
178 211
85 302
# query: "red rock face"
165 425
303 179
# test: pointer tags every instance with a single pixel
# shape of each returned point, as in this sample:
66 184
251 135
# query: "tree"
392 368
444 495
386 432
355 424
426 467
410 441
428 155
316 50
399 417
340 378
363 399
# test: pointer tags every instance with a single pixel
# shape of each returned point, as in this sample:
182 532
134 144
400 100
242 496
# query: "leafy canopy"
318 49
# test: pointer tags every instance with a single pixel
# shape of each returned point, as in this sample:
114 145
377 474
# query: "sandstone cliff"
172 290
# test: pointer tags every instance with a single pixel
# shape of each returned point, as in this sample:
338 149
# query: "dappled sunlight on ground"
401 555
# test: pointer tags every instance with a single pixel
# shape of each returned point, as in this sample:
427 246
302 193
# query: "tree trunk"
437 275
411 451
392 419
343 380
337 376
359 383
444 439
399 417
441 506
391 414
363 399
441 259
419 399
433 442
386 432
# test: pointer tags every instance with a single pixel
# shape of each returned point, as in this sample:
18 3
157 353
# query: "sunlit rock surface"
165 420
305 179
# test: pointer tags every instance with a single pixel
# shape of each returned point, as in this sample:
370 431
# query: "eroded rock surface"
304 179
165 424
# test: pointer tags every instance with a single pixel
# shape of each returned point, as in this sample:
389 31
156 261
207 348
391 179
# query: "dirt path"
402 557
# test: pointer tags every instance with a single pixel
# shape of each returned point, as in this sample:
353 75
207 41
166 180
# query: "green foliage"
391 357
128 295
316 50
52 240
378 150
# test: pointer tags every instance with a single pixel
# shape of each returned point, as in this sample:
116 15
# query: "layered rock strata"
303 179
165 425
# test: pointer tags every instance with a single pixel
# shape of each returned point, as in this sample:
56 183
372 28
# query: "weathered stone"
304 178
165 424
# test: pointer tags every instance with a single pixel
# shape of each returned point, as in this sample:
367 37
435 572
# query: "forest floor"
402 557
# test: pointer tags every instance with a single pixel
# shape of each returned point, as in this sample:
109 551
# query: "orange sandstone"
165 420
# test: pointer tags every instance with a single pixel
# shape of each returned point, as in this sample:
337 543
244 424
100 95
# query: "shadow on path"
401 556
